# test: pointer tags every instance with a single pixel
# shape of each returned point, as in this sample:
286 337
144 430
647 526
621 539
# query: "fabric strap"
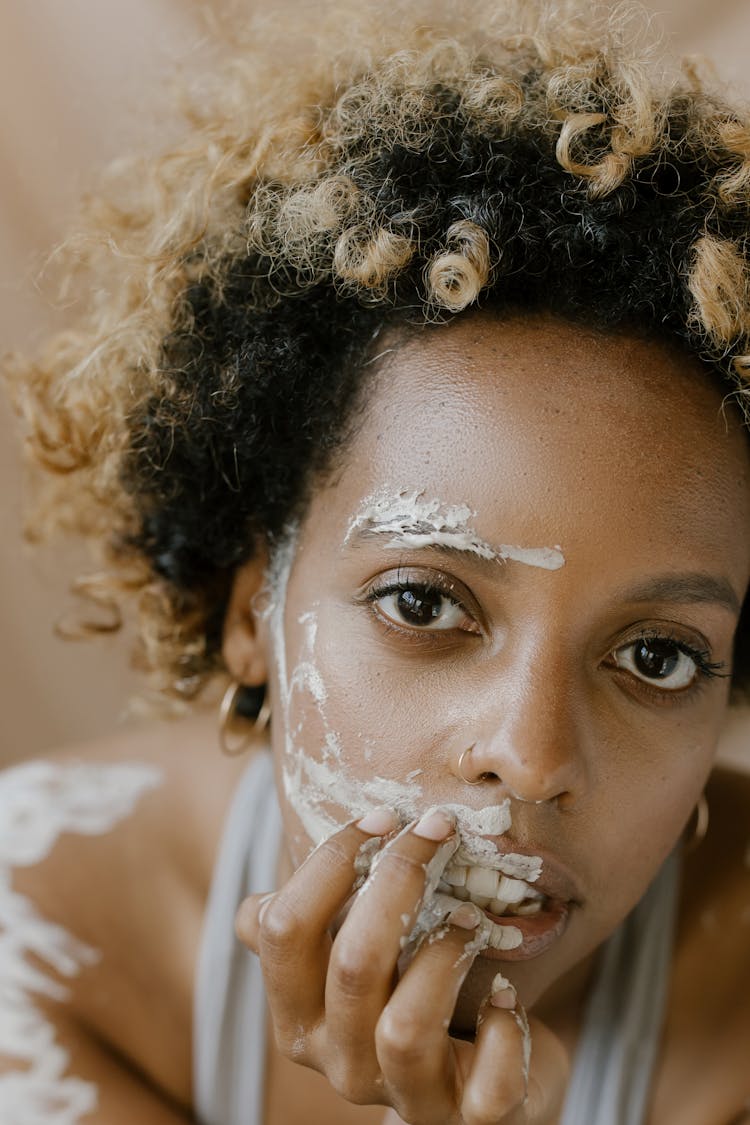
229 1013
619 1043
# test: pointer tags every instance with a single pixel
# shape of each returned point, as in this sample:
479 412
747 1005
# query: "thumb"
548 1074
248 917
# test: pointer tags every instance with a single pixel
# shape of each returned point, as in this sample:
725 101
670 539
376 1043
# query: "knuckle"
351 972
335 851
401 865
280 927
481 1108
399 1040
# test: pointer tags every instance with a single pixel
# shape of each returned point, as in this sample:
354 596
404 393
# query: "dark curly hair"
528 163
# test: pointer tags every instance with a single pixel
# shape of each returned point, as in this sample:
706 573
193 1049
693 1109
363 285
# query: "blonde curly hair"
403 167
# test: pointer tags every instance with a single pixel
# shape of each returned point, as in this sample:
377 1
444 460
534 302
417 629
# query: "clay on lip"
555 881
539 932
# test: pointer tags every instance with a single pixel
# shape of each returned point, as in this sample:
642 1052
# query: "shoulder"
722 862
132 885
708 1029
715 908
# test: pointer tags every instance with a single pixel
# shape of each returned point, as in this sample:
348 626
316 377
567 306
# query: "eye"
662 661
421 607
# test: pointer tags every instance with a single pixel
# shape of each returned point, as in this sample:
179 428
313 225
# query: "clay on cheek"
317 785
410 520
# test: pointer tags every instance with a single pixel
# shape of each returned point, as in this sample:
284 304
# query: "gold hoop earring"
460 769
701 815
227 716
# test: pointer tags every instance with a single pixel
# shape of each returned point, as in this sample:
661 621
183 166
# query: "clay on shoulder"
137 895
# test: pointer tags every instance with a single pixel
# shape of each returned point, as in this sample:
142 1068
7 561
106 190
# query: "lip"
539 931
556 881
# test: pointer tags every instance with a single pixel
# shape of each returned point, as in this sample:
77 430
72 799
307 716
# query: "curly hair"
395 175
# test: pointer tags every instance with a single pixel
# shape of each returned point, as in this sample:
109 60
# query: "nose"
528 736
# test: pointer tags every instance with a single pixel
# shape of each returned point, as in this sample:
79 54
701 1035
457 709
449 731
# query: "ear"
244 637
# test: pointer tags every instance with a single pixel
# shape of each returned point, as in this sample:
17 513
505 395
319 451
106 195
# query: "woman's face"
587 670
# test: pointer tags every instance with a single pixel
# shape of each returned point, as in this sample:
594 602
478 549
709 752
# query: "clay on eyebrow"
411 520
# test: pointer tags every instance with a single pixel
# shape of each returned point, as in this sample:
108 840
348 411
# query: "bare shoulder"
708 1028
136 893
720 872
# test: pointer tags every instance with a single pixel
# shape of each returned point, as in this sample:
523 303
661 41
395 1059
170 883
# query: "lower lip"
539 931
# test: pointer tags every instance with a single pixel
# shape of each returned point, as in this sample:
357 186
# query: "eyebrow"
688 589
467 542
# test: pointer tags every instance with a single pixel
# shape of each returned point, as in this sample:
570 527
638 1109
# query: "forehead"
550 430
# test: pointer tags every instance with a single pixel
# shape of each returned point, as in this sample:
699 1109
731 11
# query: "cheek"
642 803
325 734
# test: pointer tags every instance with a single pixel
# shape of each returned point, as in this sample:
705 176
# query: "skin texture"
617 450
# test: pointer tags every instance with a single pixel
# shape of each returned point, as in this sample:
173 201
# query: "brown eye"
420 607
659 661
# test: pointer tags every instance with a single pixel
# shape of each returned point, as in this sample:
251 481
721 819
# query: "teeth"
526 908
532 892
455 875
482 881
491 890
505 937
512 890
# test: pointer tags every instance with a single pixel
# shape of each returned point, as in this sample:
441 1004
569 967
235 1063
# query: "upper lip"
556 880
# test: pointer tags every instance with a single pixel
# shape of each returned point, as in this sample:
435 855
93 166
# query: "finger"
414 1050
247 919
365 953
291 929
549 1074
519 1072
496 1082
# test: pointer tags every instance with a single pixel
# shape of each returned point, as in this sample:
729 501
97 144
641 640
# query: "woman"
417 409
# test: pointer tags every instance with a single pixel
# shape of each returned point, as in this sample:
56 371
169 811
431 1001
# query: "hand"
339 1006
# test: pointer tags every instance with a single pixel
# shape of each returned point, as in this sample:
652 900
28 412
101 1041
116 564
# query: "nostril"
466 770
563 801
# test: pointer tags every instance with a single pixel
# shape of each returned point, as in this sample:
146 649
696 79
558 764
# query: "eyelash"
423 589
700 657
706 669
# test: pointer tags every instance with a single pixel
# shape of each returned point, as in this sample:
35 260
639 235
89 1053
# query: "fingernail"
502 993
434 825
263 905
378 822
467 916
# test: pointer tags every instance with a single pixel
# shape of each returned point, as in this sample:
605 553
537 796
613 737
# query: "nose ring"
460 769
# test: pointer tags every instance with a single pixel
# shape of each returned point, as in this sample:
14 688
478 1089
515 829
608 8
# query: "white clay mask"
320 788
408 519
39 800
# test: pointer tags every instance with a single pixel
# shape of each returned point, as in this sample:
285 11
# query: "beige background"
77 84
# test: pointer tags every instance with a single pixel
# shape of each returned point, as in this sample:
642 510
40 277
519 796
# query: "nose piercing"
460 769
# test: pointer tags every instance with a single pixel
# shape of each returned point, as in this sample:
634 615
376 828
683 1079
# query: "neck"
562 1006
